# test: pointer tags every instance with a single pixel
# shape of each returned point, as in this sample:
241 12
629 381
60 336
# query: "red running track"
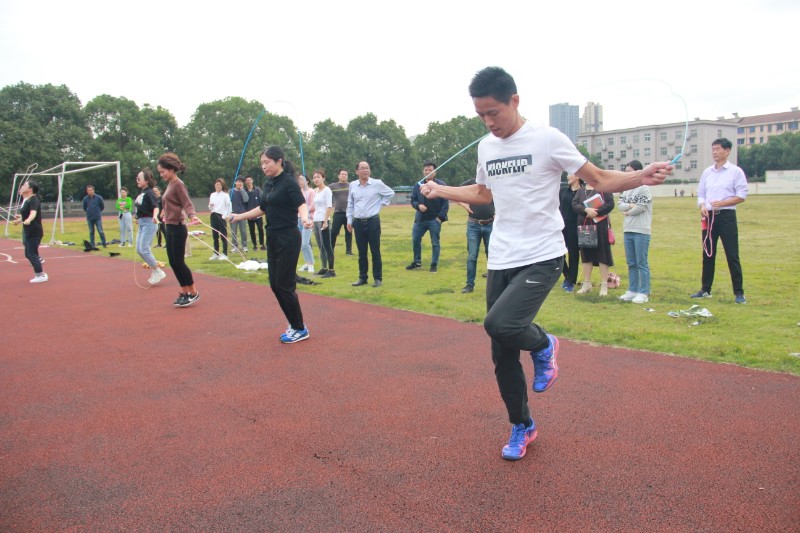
121 412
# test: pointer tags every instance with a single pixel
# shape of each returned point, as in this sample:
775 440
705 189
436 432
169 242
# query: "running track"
121 412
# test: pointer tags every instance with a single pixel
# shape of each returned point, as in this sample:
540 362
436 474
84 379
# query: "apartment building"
662 142
564 117
759 128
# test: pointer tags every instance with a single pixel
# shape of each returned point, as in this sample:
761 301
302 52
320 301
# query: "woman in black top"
570 231
147 215
281 202
600 256
32 232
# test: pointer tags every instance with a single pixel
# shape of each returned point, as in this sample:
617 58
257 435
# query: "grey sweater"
637 204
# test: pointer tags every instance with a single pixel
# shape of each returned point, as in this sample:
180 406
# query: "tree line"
780 152
47 125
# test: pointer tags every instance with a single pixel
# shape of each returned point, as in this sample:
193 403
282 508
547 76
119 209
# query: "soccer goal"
65 168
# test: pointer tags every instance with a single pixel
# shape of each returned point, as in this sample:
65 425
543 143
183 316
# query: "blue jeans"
305 240
419 230
96 223
475 234
144 240
126 228
636 248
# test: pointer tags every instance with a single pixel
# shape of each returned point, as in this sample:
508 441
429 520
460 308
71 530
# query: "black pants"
176 248
218 223
323 237
339 221
572 264
32 251
368 234
723 226
283 251
254 223
513 298
162 230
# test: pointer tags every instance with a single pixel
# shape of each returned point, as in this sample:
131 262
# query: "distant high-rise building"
564 117
592 119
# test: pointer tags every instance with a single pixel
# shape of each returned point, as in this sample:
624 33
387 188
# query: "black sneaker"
700 294
321 272
189 299
180 300
329 274
467 289
413 266
433 268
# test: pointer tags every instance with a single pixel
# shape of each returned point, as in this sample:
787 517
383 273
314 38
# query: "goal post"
64 169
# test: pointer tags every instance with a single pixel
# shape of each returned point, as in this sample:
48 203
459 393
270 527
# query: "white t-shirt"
322 201
524 174
221 202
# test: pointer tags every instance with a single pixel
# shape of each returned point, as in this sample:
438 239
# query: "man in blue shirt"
366 197
93 205
431 213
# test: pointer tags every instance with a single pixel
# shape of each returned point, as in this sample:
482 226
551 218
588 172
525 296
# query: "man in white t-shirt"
519 168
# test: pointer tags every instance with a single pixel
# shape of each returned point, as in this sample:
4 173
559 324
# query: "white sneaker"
244 249
310 269
213 257
40 278
628 296
156 276
303 268
640 299
223 257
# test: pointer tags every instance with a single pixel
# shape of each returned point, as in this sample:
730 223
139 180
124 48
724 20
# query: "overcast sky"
412 61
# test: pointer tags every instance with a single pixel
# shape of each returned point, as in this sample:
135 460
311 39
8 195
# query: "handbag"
587 236
612 239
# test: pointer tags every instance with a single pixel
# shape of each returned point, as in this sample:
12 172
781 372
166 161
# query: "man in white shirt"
722 186
519 168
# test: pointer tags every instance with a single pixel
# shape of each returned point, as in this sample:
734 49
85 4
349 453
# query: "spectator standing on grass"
636 206
480 219
239 201
93 205
722 186
30 216
570 232
256 224
430 214
519 167
323 209
162 230
367 196
601 255
305 233
124 207
220 205
341 190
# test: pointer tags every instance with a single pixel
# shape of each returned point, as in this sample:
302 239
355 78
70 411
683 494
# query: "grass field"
761 334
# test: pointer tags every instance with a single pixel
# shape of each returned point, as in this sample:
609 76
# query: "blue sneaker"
569 287
294 335
740 299
564 284
545 367
521 436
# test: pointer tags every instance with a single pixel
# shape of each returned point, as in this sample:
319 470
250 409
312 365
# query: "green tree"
441 142
780 152
123 132
331 147
384 146
41 124
211 144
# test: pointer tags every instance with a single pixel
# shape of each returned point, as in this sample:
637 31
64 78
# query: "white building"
662 143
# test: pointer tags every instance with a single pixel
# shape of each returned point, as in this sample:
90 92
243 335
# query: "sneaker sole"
188 302
292 341
555 365
524 449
